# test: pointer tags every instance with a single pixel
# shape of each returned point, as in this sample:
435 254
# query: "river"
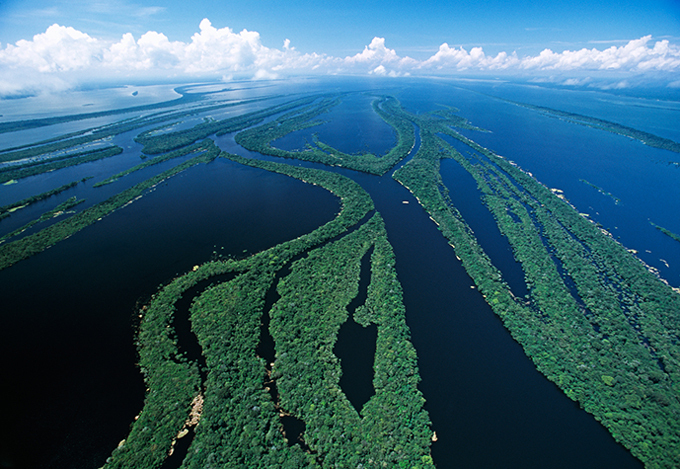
70 384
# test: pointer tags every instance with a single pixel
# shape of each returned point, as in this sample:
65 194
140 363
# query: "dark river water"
70 385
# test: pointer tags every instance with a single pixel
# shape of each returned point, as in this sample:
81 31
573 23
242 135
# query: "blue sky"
344 27
323 36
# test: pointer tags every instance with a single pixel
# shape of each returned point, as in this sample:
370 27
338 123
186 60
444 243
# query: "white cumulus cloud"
636 55
460 59
219 49
376 59
57 49
374 52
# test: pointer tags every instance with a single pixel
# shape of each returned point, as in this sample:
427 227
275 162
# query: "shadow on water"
356 345
265 348
293 431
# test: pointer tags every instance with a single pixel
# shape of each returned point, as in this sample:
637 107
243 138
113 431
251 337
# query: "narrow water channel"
187 342
466 197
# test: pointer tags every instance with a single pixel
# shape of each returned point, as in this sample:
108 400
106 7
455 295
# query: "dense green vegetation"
183 142
393 427
240 416
260 138
6 210
173 383
54 146
597 322
355 201
82 138
240 423
451 118
155 143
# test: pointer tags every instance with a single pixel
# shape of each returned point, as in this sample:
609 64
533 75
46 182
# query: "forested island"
666 232
596 321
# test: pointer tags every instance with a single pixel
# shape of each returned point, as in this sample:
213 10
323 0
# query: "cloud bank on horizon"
63 57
